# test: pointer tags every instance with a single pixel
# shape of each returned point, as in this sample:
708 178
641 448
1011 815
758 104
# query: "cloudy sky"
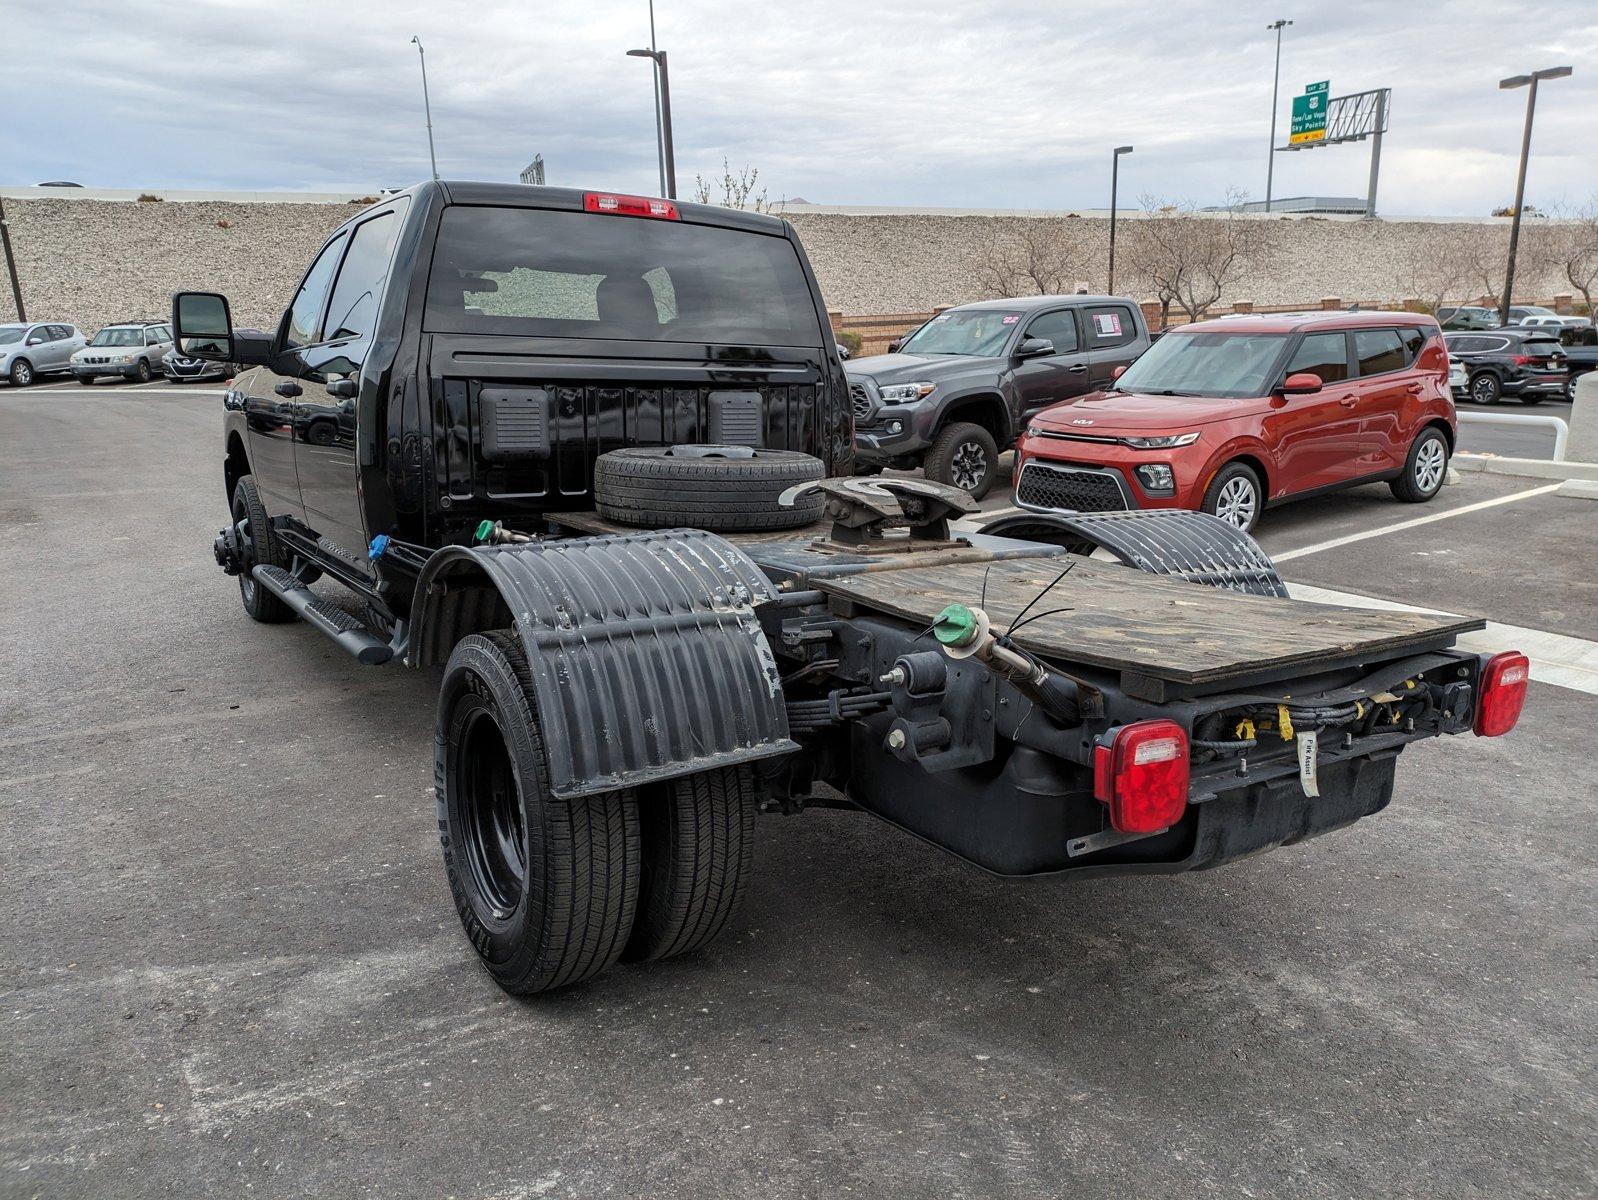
1011 105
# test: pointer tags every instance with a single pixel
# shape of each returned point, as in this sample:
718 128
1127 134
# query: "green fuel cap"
955 626
484 528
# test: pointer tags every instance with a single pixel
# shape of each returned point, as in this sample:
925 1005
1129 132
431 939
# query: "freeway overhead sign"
1309 114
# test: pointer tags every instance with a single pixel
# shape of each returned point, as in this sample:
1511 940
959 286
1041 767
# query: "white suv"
132 350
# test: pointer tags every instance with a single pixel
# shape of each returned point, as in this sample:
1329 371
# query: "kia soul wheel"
1235 495
1425 468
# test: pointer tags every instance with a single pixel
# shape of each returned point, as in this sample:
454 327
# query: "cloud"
982 104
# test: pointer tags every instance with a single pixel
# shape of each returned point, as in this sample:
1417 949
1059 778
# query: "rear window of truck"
541 273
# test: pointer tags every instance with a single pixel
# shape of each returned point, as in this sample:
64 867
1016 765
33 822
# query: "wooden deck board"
1125 620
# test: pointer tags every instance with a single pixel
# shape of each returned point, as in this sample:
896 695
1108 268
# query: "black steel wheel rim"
492 832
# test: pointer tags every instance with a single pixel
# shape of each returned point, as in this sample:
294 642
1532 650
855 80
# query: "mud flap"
648 662
1194 546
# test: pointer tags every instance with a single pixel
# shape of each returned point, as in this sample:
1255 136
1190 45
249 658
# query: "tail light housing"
1524 360
1502 693
1143 776
630 206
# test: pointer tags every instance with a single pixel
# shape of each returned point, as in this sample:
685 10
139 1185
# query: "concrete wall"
95 261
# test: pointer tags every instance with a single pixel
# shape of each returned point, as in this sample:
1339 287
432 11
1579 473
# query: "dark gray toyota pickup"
959 390
588 456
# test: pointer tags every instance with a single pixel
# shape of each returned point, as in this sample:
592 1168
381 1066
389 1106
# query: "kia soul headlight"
905 393
1163 442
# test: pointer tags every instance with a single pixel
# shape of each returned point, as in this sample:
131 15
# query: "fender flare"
1194 546
647 659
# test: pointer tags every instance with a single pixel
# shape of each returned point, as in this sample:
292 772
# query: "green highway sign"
1309 114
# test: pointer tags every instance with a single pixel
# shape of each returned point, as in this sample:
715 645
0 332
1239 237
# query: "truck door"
1051 378
329 380
271 393
1110 333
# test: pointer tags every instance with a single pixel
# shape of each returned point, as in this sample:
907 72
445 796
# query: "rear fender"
647 659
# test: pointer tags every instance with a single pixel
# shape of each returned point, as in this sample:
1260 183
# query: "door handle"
1348 401
1077 368
288 388
1414 389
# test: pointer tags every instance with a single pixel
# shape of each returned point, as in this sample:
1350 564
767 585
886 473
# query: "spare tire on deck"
722 488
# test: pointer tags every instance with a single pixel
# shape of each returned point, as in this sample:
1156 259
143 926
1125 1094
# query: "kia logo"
1082 421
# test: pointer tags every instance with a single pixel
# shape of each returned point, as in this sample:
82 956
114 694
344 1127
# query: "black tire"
1236 495
966 456
1425 467
22 373
144 370
698 845
1530 398
260 547
86 380
1485 388
546 888
726 488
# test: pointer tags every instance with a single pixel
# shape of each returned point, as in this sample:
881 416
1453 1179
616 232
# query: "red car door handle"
1347 401
1414 389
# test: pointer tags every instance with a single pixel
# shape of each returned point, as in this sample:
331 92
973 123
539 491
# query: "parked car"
29 351
132 350
1232 416
958 390
1524 363
617 702
1528 314
1469 316
179 369
1581 354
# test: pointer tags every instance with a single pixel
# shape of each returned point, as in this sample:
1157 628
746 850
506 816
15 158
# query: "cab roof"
1030 303
1296 322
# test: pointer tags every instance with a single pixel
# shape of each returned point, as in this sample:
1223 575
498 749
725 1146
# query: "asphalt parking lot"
229 962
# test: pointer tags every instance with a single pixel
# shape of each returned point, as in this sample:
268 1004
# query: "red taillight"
1142 775
1502 693
630 206
1524 360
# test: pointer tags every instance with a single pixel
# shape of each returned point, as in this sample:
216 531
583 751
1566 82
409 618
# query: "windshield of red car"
978 331
1212 363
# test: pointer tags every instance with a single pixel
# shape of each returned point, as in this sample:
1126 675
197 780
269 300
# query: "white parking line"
1345 540
1556 658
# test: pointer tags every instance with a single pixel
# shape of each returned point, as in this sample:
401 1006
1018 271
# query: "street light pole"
660 148
1520 182
427 105
11 263
659 58
1115 182
1276 82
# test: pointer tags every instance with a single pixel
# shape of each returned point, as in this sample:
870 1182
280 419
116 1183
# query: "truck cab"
461 351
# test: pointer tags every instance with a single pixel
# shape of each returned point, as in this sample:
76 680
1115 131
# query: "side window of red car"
1323 354
1414 342
1379 351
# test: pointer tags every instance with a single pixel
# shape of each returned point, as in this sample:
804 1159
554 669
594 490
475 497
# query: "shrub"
224 224
363 201
851 341
149 198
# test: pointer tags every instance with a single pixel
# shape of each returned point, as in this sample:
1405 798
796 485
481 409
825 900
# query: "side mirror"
1302 384
35 341
1034 347
893 346
1117 372
202 327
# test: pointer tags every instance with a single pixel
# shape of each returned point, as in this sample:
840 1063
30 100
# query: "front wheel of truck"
546 888
966 456
257 546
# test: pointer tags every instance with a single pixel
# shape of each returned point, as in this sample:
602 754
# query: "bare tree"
1486 258
1189 257
1027 256
737 191
1437 272
1575 252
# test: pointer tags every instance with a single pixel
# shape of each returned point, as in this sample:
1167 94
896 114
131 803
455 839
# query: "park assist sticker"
1011 318
1308 753
1107 324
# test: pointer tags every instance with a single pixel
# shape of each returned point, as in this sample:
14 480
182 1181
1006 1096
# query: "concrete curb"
1579 489
1534 468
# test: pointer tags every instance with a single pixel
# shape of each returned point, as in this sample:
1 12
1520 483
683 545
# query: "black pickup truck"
454 448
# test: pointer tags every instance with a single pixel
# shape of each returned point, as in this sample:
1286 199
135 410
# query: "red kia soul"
1234 415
